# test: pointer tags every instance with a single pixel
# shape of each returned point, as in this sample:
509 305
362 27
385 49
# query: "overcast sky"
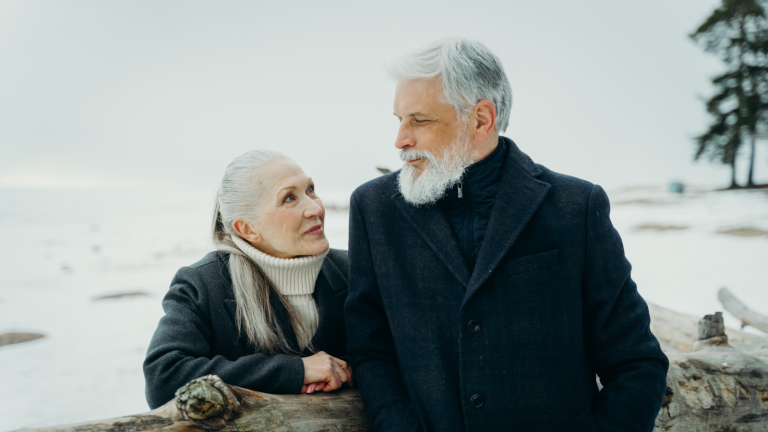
163 94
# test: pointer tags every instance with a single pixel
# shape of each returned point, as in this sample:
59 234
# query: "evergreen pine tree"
738 32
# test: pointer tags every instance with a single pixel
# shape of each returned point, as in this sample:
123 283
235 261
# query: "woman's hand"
323 372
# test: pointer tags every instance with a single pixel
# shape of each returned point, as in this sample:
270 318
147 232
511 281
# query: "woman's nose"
313 209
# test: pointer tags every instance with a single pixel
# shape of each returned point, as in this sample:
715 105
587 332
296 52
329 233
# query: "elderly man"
487 291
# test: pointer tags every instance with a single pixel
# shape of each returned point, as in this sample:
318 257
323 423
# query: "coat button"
474 326
476 401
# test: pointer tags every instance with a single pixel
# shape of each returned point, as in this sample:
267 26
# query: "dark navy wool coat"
198 334
516 344
470 214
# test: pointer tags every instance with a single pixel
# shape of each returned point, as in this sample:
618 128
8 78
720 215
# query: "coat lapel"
430 222
330 282
520 195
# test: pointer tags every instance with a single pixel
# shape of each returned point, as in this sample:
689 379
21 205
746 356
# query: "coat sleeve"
625 354
369 340
180 350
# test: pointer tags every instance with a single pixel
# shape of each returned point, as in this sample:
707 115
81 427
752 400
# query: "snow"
683 269
62 250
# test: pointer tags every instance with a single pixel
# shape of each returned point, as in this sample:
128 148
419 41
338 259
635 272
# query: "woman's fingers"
313 387
348 370
339 377
323 372
351 381
335 378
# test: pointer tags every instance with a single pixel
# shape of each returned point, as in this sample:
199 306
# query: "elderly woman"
265 311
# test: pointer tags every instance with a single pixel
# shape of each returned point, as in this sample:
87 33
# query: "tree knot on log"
208 401
711 332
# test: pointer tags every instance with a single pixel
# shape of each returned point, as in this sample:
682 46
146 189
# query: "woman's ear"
245 230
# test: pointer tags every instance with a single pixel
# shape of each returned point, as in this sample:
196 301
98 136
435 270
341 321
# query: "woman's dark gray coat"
198 334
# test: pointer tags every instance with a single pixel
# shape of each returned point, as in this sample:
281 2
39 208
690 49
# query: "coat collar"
330 282
520 195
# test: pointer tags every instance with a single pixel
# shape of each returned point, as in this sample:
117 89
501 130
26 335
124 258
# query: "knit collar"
482 178
290 276
487 171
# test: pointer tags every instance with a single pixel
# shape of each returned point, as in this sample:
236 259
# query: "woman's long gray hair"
238 197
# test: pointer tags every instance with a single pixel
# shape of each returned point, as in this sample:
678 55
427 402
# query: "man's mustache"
407 154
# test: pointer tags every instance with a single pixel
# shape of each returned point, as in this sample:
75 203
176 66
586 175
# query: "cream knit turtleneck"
295 280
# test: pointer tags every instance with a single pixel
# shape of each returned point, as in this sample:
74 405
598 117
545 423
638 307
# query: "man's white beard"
438 176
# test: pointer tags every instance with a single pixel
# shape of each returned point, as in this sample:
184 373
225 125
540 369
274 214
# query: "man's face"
426 123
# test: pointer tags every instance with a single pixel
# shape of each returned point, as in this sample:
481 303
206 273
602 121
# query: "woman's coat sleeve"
180 350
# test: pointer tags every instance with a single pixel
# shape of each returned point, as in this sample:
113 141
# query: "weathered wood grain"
340 411
677 332
715 387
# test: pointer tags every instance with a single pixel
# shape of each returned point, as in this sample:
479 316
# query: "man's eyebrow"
413 114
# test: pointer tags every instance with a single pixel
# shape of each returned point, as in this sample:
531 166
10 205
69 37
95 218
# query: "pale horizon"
141 95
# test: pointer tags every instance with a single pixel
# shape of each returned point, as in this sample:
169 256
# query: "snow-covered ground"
62 250
683 268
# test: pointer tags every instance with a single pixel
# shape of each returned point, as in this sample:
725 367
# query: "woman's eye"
289 198
311 190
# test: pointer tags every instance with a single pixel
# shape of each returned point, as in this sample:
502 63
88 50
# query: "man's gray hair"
469 71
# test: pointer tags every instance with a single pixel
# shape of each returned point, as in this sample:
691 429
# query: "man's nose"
404 138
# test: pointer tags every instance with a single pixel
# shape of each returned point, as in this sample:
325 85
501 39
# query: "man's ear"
245 230
484 113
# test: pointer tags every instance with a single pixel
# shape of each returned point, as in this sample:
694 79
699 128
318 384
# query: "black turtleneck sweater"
470 213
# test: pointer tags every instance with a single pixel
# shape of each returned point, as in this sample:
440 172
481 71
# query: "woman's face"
290 216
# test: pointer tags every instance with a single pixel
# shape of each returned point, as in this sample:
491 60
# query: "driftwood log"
716 382
747 316
715 387
208 404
